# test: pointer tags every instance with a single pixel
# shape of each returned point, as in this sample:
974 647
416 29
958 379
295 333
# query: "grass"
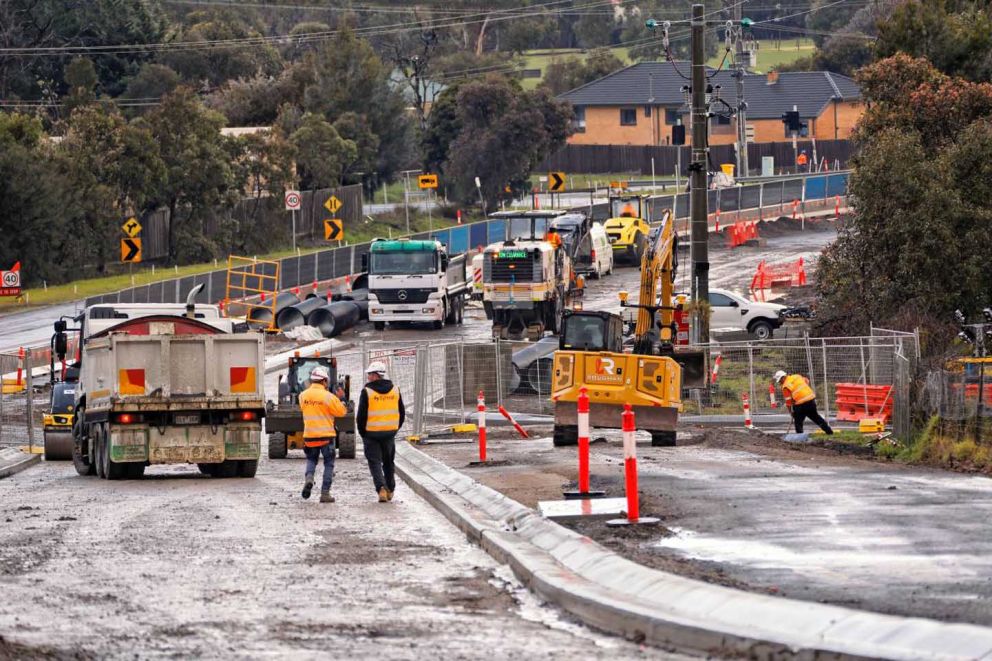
773 54
394 224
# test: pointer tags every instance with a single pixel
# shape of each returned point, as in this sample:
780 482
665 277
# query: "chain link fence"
21 407
962 399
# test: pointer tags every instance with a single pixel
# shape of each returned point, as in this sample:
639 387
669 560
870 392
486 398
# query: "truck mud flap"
129 444
242 443
693 365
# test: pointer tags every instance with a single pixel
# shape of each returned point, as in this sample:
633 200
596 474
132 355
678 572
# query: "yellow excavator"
650 376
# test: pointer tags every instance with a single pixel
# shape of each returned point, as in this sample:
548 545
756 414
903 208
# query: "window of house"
671 116
628 117
580 119
647 111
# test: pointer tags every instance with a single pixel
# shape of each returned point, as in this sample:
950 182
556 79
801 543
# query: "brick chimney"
772 78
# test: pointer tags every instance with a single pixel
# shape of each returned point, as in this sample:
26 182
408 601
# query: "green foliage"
321 154
920 181
843 55
152 81
563 75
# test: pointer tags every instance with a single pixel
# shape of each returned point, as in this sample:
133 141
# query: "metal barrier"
21 408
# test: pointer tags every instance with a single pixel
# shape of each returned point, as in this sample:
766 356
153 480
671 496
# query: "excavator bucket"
693 365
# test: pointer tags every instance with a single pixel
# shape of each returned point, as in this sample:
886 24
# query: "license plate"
188 419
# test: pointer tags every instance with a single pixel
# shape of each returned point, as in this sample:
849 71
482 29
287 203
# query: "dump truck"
627 227
284 419
527 279
416 281
165 384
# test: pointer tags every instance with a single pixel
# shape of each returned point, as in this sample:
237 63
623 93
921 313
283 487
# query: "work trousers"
313 454
381 455
808 410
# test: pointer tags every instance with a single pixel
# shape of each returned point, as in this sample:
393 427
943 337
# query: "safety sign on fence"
10 281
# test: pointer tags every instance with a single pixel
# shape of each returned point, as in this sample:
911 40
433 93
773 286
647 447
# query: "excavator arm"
657 266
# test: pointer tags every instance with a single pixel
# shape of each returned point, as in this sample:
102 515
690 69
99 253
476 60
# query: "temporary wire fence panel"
21 409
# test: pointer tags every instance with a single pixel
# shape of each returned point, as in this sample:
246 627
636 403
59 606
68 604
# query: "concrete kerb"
14 461
616 595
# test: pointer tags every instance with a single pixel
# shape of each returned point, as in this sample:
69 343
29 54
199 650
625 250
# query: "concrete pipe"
296 315
262 317
335 318
361 281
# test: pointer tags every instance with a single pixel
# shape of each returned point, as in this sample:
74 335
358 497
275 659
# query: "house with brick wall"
638 105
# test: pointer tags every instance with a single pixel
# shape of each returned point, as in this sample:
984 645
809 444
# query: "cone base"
641 521
578 495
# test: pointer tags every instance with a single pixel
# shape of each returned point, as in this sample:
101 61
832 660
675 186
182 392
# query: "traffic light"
791 121
678 134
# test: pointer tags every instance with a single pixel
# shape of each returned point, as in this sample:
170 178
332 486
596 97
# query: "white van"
602 251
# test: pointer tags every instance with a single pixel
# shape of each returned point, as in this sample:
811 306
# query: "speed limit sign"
10 281
293 200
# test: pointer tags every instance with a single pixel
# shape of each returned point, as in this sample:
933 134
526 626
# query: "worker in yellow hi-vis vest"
380 415
801 400
319 408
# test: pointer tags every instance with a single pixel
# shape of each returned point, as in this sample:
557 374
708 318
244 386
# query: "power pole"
699 247
740 71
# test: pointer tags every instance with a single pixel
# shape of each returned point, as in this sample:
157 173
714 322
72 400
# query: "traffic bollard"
837 206
747 411
716 370
583 423
771 395
516 425
630 474
20 366
482 427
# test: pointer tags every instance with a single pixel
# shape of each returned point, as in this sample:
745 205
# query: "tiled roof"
660 83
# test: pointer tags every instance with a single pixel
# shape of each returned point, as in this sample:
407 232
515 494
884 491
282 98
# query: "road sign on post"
293 200
131 227
425 181
556 182
333 204
131 250
333 229
10 281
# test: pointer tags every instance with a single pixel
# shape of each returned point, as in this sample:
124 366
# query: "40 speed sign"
10 281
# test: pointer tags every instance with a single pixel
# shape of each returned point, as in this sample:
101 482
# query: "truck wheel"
226 468
111 469
96 441
277 446
565 436
663 439
247 468
346 446
82 463
207 469
461 311
379 325
761 329
451 312
135 471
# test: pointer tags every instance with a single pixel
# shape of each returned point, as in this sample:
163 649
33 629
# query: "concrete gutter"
13 461
614 594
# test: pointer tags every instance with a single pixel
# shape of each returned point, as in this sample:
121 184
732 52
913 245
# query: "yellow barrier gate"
252 289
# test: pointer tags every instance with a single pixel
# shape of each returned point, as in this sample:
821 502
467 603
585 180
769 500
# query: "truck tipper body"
416 281
161 388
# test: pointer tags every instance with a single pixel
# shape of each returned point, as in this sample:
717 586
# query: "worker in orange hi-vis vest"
380 415
320 408
802 160
801 400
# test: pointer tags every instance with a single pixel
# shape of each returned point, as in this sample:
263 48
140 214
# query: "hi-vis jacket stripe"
319 408
384 410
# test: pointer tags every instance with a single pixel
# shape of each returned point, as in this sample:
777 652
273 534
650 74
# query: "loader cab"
298 376
591 331
527 225
626 206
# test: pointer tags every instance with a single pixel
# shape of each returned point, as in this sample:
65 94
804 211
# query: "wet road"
180 565
31 327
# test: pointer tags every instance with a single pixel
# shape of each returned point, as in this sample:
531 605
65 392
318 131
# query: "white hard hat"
319 374
377 367
779 375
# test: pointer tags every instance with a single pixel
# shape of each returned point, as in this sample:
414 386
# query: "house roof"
660 83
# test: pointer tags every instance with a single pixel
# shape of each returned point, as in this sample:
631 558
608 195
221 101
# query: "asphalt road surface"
183 566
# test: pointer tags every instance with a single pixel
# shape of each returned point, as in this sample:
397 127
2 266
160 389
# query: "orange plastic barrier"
741 232
782 275
855 401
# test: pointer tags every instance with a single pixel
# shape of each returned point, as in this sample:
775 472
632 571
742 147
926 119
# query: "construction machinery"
58 422
527 278
160 384
284 419
627 227
650 377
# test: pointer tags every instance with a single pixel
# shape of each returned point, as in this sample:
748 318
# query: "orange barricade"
741 232
782 275
855 401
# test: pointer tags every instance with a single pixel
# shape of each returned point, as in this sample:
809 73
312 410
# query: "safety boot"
389 495
383 494
326 497
307 487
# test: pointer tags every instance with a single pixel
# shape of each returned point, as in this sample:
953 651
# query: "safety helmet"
779 375
377 367
320 374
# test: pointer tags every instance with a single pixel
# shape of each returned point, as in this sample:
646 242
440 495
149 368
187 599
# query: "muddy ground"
183 566
749 510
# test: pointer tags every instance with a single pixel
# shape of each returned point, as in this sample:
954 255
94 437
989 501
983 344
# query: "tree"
152 82
321 154
566 74
198 174
348 76
355 128
499 133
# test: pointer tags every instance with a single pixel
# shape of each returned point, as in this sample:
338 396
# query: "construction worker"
802 160
380 415
319 408
628 211
801 400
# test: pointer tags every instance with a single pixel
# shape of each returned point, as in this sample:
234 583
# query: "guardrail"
327 266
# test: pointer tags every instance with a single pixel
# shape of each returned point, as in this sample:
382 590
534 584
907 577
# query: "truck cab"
415 281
